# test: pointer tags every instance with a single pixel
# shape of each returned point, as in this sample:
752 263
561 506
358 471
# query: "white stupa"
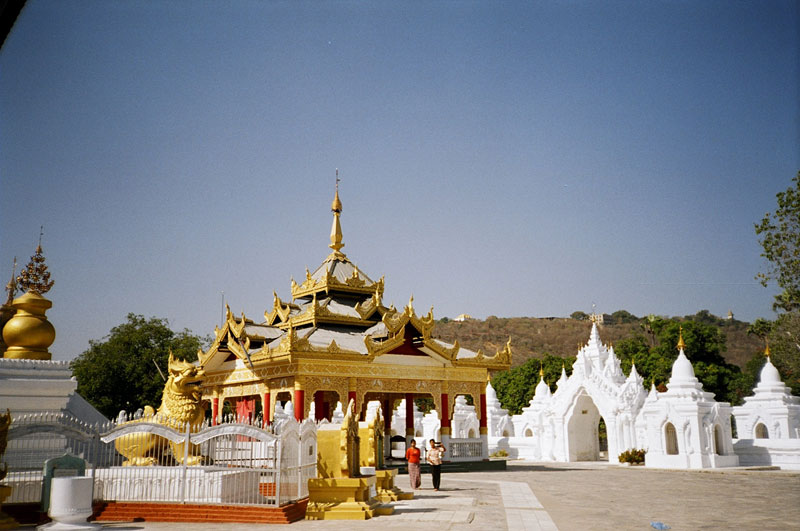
772 412
464 424
685 426
498 421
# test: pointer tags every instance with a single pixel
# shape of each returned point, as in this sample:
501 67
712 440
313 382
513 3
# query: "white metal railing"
465 449
233 463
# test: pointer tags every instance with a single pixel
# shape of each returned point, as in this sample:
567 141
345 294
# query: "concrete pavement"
576 496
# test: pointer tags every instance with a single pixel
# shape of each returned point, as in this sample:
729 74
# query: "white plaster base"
784 453
161 483
70 504
695 460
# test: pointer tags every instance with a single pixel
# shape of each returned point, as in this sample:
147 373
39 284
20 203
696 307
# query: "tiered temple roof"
337 312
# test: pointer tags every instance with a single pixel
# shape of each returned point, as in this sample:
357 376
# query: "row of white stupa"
683 427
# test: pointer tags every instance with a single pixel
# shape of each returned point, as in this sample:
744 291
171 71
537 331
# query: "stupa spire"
11 287
681 344
336 229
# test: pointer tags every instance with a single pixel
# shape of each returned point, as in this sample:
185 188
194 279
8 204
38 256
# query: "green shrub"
634 457
499 453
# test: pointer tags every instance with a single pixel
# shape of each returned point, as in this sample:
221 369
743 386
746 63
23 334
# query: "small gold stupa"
28 334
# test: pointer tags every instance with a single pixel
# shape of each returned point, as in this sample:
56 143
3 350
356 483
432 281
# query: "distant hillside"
534 336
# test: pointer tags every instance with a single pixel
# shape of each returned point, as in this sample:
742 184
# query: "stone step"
172 512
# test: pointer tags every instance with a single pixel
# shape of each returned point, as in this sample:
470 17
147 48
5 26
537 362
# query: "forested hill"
535 336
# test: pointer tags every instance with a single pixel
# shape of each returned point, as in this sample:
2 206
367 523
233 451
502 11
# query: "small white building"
772 412
768 424
685 427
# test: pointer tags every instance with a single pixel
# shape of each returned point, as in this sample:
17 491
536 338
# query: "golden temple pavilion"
334 340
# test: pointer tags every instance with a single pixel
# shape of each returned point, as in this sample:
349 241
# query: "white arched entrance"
582 430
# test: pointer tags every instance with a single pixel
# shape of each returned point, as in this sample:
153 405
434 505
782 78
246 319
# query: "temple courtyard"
577 496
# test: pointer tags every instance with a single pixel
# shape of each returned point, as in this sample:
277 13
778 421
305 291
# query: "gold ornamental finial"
336 205
336 229
35 277
11 287
681 344
541 370
766 349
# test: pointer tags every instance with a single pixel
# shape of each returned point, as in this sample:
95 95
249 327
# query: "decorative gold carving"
35 278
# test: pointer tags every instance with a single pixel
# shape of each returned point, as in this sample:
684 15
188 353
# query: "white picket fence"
237 463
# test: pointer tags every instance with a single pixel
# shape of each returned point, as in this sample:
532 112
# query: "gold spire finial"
35 277
681 344
336 229
336 205
766 348
11 287
541 370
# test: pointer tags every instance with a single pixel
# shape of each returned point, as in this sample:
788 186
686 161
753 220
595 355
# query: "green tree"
705 344
624 316
780 240
579 316
515 387
760 328
120 371
784 346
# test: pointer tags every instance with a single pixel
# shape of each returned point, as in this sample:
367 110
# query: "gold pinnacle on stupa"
35 277
28 334
336 229
681 344
11 287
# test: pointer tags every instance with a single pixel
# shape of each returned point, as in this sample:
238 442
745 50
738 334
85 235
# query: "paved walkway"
575 496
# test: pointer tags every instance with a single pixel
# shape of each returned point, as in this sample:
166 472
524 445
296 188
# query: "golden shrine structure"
335 341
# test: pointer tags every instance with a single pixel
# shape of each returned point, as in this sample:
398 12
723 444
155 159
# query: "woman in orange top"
412 456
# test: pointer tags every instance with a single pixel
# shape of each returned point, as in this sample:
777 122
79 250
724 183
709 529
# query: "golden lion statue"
180 404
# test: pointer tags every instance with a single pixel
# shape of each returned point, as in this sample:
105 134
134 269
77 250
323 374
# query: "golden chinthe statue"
180 405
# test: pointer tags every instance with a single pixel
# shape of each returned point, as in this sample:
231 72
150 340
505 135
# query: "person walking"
412 456
434 458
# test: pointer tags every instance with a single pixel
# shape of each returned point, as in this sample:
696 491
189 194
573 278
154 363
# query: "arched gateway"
568 421
336 341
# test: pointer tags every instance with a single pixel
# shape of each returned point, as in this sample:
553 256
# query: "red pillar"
387 417
214 411
265 410
483 413
299 404
409 415
445 414
319 405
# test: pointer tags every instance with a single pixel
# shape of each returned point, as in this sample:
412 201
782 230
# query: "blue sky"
504 158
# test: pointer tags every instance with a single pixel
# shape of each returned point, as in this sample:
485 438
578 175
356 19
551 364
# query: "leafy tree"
784 346
760 328
624 316
515 387
579 316
120 371
705 344
780 240
706 317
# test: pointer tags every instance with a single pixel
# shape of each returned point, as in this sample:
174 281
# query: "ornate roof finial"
11 287
541 370
766 349
35 277
681 344
336 229
336 205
